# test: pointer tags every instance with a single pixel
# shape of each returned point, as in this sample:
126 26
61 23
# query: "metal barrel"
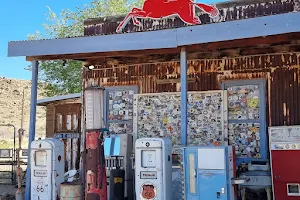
70 191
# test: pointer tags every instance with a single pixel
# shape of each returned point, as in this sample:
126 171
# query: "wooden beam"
171 80
173 54
194 56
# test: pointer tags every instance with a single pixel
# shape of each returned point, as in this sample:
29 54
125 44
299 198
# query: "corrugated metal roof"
45 101
170 38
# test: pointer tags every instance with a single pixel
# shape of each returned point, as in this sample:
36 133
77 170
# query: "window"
67 118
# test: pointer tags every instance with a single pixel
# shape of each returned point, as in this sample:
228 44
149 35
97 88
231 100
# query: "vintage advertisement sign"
163 9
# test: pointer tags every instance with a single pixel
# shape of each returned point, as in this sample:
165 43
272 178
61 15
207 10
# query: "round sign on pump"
148 191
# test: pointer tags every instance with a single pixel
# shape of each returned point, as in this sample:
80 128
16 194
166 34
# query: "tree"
63 77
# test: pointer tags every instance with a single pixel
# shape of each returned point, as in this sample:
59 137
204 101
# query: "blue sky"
19 18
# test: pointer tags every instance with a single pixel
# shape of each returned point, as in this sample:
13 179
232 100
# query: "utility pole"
20 195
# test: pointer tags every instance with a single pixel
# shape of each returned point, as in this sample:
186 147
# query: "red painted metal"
96 186
229 11
162 9
285 170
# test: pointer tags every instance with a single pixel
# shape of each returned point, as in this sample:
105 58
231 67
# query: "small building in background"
63 120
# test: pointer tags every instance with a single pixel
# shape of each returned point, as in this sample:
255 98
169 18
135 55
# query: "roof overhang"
46 101
162 39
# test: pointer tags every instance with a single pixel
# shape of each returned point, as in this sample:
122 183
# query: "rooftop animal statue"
162 9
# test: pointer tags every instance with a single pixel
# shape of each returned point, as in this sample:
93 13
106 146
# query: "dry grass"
11 97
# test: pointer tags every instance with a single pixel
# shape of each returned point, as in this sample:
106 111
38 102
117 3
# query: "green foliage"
59 77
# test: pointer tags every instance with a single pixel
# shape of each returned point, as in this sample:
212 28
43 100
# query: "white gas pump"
47 168
153 170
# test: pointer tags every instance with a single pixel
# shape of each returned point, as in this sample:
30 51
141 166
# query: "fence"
8 165
8 156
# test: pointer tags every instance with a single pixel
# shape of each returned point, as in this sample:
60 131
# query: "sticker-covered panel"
120 105
120 128
243 102
246 139
159 115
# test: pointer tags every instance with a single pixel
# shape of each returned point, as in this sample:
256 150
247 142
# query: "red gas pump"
96 186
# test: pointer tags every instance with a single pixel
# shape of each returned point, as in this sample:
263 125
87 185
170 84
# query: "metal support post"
32 124
183 96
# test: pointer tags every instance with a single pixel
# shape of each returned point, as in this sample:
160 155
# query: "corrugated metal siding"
229 11
285 97
280 70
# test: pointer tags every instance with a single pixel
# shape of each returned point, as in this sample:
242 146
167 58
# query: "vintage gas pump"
118 149
47 169
153 171
285 153
96 185
209 173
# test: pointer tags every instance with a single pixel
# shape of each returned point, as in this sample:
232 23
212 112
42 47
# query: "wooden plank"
177 80
69 153
74 152
50 120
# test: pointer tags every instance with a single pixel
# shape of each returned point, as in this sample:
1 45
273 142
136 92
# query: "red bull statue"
162 9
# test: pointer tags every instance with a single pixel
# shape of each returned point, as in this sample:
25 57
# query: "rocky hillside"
11 97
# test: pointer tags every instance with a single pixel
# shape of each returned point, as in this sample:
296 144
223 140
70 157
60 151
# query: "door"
190 161
284 165
212 184
247 119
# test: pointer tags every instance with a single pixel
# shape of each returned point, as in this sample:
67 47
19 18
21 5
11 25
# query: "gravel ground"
8 190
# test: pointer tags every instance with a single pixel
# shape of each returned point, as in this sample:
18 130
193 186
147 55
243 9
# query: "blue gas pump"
209 173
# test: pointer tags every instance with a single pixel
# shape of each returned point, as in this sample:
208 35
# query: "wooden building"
63 120
270 63
252 50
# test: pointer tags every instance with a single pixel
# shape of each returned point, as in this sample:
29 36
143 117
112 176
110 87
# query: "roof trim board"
45 101
161 39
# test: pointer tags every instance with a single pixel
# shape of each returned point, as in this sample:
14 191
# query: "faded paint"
280 70
71 191
162 10
229 11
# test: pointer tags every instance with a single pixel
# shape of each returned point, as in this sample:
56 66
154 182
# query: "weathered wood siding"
50 120
66 124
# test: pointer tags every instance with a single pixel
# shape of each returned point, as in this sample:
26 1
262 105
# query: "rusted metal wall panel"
280 70
285 97
229 11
